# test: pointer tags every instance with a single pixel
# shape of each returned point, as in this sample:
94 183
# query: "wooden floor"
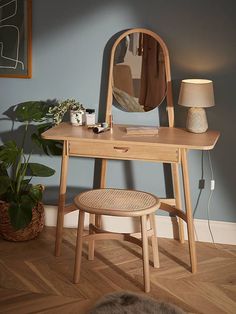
33 280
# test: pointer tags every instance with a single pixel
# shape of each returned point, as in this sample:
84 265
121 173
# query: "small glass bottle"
90 117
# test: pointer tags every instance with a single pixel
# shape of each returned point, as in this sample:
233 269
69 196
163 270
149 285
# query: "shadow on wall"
51 194
105 76
17 126
15 131
128 171
180 111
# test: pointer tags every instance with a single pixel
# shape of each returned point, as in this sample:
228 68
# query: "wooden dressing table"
169 146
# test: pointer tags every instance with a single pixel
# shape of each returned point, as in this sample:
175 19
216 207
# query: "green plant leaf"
55 148
43 127
49 147
5 182
39 170
9 153
9 196
21 213
3 170
25 184
36 193
31 111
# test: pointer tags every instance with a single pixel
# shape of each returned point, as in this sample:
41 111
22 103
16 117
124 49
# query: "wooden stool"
121 203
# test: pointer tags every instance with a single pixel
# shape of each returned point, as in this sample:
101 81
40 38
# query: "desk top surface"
172 137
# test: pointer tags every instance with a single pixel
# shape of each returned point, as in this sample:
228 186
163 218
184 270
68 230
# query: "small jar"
90 117
76 117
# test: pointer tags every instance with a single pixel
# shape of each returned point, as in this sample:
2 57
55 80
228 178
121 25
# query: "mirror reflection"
139 81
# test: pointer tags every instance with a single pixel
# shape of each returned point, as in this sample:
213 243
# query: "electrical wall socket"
201 184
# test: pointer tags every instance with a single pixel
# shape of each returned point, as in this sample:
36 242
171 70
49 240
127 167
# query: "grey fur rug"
131 303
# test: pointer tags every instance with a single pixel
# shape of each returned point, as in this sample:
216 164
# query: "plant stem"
25 133
20 171
18 166
22 174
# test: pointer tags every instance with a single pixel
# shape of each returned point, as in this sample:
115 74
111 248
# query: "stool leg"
145 253
98 221
154 241
79 246
91 243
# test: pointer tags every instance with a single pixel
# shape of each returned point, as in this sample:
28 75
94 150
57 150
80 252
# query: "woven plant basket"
31 231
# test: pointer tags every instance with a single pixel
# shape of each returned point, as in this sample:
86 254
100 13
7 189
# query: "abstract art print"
15 38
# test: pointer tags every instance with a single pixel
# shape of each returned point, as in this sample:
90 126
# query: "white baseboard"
223 232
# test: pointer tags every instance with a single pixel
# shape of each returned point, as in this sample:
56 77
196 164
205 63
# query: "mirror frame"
169 96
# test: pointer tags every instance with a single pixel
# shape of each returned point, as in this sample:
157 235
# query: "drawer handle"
121 149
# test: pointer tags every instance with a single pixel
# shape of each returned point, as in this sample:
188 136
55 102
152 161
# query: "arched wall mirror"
139 75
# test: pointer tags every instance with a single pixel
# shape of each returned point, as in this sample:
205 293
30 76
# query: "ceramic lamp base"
197 120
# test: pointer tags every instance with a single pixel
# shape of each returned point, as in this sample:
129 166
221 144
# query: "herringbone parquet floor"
33 280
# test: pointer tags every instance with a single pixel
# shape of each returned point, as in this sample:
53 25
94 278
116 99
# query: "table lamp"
196 94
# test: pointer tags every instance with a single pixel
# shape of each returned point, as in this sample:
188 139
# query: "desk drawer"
129 151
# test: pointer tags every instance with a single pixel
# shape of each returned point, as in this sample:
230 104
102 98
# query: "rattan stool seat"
117 202
122 203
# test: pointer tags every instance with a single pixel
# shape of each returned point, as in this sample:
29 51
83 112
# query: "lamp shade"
196 93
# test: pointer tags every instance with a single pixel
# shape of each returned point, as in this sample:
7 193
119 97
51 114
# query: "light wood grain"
167 137
78 249
121 203
32 280
167 146
188 207
145 253
155 252
176 184
128 152
62 198
91 244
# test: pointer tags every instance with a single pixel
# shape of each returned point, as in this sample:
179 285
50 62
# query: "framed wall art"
16 38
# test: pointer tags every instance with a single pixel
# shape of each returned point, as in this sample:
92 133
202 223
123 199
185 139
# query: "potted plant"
21 209
76 111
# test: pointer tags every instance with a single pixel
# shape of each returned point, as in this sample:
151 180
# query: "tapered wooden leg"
175 176
98 218
62 198
91 243
188 207
146 276
154 241
98 221
79 247
103 174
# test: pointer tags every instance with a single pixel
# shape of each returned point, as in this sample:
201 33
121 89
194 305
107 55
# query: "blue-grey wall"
69 38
